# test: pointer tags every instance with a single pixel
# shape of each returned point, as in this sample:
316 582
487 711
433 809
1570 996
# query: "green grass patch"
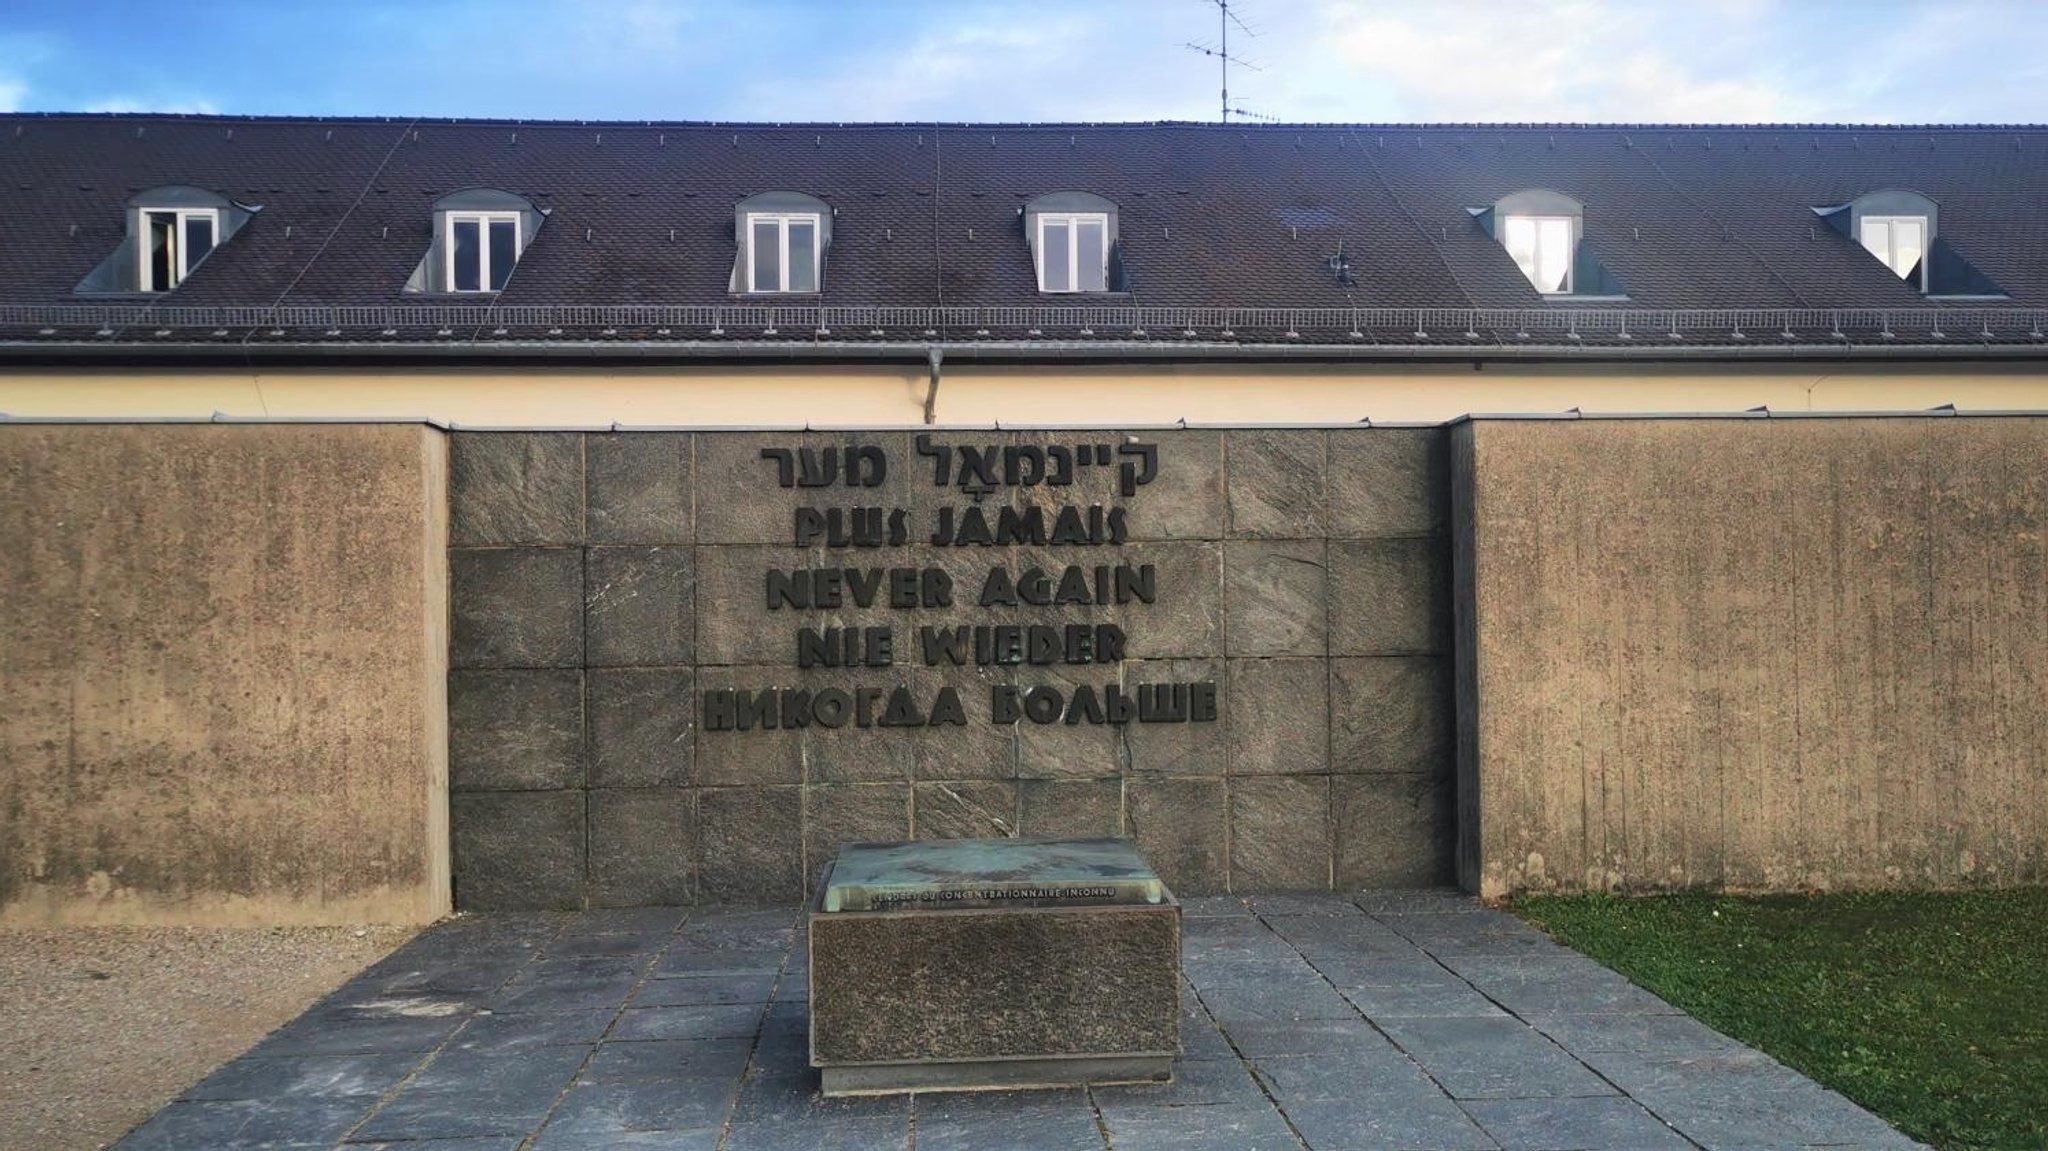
1930 1009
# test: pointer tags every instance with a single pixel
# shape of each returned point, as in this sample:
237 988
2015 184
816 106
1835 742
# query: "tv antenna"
1221 51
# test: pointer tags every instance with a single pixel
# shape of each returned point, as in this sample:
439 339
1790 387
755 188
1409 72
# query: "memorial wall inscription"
928 599
687 665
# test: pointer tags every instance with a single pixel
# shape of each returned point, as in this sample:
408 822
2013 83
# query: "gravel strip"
100 1026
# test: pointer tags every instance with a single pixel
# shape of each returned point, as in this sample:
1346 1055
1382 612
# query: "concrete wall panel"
222 674
1764 654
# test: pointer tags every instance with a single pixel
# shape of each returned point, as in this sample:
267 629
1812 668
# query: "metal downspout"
933 356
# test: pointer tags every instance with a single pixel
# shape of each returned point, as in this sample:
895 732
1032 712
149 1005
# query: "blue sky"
1356 60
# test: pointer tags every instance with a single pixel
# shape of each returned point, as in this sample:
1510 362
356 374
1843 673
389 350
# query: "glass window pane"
468 256
1520 238
198 239
161 237
767 258
1554 260
504 251
1053 256
803 264
1090 257
1877 238
1907 247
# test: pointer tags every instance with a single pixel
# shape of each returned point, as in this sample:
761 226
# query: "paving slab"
1493 1057
1207 1082
306 1076
1199 1128
1374 1022
493 1032
669 1060
701 990
1421 999
705 1021
1554 984
565 993
287 1125
1386 1075
609 1108
1060 1120
450 1113
1578 1124
340 1033
565 1139
1669 1036
1420 1124
1071 1132
472 1143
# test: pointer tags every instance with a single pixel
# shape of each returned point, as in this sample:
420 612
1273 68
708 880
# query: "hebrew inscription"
996 616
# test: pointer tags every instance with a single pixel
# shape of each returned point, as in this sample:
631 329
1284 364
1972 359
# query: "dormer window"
482 248
1542 248
479 235
779 244
1903 230
1073 252
1073 242
1900 242
1544 234
170 230
783 251
174 240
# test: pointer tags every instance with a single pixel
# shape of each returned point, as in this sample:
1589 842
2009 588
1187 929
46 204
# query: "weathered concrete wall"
1770 654
222 667
604 583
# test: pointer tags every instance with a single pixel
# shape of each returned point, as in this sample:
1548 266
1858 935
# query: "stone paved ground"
1392 1021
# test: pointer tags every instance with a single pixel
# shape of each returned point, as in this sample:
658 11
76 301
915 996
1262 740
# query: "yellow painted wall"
979 395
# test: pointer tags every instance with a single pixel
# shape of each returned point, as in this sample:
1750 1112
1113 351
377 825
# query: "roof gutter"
933 355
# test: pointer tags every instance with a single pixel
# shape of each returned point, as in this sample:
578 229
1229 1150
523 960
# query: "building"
361 471
704 274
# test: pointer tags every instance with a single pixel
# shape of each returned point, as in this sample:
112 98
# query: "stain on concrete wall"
221 668
1767 654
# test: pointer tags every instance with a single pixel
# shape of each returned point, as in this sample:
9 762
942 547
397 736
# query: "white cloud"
631 38
1564 60
13 94
943 73
185 107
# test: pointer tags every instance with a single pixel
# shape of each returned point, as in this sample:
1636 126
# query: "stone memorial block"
978 964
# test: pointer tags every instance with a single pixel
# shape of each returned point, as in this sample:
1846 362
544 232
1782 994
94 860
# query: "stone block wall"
603 583
1765 654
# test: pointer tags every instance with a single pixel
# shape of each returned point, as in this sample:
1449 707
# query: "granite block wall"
606 586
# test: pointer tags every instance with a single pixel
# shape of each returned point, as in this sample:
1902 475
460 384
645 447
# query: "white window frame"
1072 220
483 222
1571 256
1890 255
178 249
782 221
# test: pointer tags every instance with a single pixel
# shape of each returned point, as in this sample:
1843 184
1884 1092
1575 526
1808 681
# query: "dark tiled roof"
1211 217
